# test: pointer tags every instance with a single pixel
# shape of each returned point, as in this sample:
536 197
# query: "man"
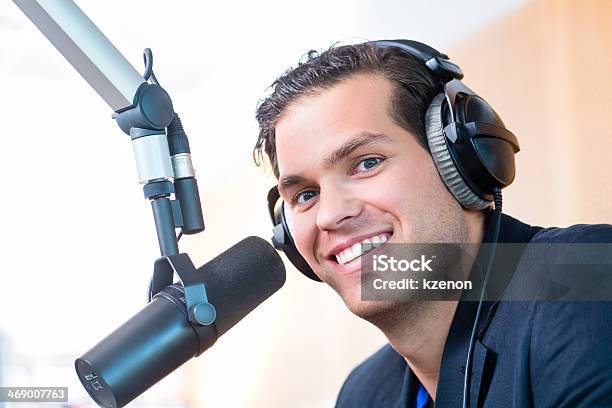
345 133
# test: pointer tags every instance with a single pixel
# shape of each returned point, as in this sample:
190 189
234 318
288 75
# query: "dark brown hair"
414 88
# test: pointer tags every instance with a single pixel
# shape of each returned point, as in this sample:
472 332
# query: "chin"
369 310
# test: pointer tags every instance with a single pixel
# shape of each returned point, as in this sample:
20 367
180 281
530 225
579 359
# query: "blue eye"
367 164
304 196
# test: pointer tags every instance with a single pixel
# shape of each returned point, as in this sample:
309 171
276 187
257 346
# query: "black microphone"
160 338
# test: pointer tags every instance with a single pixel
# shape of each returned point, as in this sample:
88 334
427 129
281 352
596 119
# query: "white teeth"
355 251
379 240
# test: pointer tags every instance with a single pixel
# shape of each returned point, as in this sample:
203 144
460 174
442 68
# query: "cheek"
397 190
304 233
406 192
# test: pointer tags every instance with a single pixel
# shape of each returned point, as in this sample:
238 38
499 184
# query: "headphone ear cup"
493 145
454 181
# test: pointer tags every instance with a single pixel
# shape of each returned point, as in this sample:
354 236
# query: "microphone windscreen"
241 278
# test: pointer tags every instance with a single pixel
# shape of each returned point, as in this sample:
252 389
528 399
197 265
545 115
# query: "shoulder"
569 274
379 376
570 354
570 338
578 233
569 264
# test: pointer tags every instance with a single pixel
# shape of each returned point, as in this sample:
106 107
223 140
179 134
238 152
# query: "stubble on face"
440 220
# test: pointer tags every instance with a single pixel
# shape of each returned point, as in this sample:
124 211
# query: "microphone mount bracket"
152 109
200 311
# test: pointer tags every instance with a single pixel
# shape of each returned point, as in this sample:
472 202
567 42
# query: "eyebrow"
360 140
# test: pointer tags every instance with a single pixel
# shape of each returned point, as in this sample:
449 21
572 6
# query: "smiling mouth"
356 250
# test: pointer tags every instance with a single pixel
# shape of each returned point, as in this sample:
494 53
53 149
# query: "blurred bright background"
78 240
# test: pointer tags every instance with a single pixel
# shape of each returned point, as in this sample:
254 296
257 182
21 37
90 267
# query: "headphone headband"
438 64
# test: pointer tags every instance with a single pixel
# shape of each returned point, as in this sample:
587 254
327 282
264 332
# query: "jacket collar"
452 368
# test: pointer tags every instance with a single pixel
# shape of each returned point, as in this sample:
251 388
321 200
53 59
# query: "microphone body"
160 338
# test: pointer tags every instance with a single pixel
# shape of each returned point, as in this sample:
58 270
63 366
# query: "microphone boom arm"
78 39
143 110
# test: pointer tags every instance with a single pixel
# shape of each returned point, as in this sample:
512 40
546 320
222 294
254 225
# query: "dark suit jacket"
527 354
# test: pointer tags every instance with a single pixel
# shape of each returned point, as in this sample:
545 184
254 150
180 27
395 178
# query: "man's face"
349 173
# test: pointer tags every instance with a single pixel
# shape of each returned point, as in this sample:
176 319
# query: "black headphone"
471 148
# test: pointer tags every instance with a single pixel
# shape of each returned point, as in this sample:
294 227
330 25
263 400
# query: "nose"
336 208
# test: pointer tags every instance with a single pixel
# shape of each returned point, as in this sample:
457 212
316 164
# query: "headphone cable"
468 364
